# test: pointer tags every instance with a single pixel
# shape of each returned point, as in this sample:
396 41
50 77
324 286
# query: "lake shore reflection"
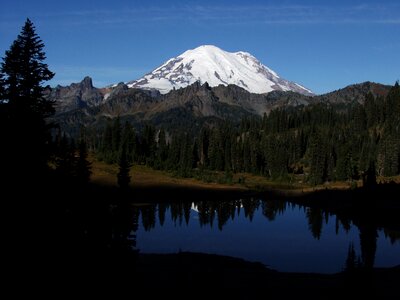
282 235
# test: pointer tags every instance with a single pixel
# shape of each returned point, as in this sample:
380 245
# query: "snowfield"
215 66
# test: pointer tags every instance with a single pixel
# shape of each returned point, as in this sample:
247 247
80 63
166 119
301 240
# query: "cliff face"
76 95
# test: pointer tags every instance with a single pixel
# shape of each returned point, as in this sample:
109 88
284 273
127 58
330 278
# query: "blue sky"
324 45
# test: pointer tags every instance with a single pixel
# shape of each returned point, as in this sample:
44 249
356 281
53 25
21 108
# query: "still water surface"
283 236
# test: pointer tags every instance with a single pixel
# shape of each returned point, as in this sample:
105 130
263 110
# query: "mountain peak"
208 63
207 47
87 83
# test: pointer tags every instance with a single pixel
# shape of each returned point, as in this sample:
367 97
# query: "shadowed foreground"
78 236
152 274
190 269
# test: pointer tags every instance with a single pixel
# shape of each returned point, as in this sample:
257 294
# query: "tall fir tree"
83 166
317 159
106 151
26 109
65 158
128 140
124 165
116 138
2 90
162 150
369 180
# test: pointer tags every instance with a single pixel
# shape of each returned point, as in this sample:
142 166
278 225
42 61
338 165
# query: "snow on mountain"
215 66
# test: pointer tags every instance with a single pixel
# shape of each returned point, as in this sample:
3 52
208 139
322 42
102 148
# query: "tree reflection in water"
111 230
217 213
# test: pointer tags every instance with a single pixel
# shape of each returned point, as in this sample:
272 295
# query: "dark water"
281 235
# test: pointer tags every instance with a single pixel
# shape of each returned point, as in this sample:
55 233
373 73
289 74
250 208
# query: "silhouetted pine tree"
174 153
65 158
162 150
124 168
393 108
246 154
2 89
83 166
105 151
203 146
149 144
24 72
128 140
317 159
116 138
186 157
371 110
370 176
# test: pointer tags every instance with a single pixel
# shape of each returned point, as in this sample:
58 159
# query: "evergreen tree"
2 89
235 155
162 150
128 140
186 157
65 158
106 151
393 108
370 110
24 72
359 119
370 176
149 144
195 154
83 166
388 155
204 144
344 169
246 154
227 155
216 151
116 138
318 163
174 153
124 168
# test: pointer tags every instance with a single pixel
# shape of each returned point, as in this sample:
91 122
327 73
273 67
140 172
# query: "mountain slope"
75 96
216 67
189 107
354 93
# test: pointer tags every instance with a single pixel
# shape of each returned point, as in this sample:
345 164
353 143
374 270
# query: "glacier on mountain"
215 66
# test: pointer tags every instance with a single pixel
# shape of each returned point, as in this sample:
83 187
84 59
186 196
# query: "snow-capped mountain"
215 66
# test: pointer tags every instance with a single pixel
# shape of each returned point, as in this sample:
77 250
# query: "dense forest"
321 142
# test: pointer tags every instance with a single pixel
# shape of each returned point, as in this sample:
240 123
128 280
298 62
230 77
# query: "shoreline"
155 185
143 177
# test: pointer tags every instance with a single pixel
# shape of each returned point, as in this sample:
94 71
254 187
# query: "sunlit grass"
143 176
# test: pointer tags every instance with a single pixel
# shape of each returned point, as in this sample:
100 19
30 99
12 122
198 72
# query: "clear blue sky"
324 45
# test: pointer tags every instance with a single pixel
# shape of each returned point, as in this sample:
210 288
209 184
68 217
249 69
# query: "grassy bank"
146 177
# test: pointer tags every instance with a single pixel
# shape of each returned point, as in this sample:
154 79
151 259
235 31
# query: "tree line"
321 142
